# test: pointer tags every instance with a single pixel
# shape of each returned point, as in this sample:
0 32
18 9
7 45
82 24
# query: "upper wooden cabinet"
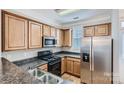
101 30
49 31
89 31
67 38
35 35
53 32
14 33
59 38
98 30
46 30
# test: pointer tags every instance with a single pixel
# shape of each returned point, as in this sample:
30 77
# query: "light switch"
122 24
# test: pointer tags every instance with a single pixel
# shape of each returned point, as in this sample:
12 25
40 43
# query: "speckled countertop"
12 74
68 55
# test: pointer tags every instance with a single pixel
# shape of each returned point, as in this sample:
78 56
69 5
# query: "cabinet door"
59 38
101 30
63 65
46 30
15 34
89 31
69 66
35 35
53 31
44 67
77 68
67 38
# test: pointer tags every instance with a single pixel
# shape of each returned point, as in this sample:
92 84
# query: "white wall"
121 46
115 36
24 54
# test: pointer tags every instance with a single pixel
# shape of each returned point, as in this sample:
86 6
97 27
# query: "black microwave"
49 41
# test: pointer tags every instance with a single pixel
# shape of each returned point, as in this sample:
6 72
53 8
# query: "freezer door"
102 60
86 60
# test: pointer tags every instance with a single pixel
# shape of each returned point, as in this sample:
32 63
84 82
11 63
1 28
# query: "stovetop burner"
48 56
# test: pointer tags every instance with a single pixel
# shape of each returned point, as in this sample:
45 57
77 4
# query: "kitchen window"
76 36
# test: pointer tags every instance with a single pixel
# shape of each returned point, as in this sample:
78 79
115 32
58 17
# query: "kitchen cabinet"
14 33
98 30
53 32
46 30
63 65
69 66
73 66
49 31
77 67
35 35
67 38
89 31
59 38
44 67
101 30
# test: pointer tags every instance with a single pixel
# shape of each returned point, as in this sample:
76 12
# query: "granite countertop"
30 63
12 74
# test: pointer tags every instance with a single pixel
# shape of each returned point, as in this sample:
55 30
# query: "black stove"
54 62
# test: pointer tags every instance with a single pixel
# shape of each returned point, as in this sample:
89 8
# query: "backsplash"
24 54
69 49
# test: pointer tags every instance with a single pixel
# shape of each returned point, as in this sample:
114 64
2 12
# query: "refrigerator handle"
92 59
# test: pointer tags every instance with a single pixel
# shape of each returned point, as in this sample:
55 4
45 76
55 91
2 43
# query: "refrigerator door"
102 60
86 60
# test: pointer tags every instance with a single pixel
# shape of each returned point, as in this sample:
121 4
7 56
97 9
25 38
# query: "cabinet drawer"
73 59
44 67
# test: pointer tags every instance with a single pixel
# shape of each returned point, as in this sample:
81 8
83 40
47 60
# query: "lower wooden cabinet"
63 65
70 65
76 70
44 67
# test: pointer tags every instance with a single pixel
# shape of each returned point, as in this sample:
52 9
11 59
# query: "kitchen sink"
45 77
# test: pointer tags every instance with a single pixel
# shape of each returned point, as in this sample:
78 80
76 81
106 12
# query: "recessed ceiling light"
76 18
65 11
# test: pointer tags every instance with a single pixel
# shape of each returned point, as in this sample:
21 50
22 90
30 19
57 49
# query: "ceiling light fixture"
65 11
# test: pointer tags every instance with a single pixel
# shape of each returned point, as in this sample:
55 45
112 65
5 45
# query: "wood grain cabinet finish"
44 67
89 31
77 68
102 30
46 30
35 35
59 38
15 33
67 41
53 32
69 66
63 65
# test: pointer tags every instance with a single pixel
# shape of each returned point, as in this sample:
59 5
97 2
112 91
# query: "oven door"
55 68
49 41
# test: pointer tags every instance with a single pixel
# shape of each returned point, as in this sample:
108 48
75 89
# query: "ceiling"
69 16
80 14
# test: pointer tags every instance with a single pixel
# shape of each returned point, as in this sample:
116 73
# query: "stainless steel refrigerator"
96 60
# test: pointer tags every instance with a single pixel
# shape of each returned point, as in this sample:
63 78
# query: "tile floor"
74 79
